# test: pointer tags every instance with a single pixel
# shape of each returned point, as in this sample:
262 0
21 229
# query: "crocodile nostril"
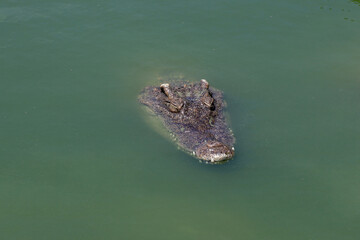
214 151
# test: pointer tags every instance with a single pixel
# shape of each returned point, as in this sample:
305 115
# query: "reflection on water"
356 2
346 12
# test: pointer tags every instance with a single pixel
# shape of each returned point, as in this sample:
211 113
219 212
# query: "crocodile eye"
204 84
207 99
165 88
174 103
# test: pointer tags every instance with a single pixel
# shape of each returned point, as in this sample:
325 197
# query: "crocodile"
193 113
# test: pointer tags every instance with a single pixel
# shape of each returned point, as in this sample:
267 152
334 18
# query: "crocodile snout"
214 151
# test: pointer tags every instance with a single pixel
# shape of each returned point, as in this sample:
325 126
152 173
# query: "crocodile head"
193 114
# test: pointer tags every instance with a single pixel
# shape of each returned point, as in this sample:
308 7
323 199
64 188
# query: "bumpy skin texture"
193 113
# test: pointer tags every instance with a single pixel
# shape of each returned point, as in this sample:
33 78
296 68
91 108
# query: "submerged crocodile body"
193 114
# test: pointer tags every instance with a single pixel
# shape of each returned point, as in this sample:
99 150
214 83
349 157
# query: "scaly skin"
193 114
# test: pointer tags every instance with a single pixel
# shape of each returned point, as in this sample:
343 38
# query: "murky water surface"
78 162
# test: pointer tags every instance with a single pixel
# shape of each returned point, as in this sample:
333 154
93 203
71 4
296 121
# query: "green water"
78 162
